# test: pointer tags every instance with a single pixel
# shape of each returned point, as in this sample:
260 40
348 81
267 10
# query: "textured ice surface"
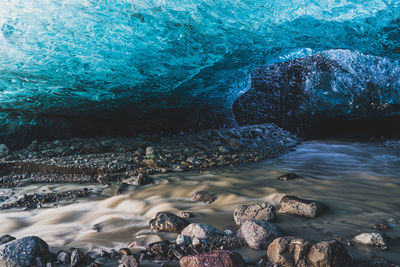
66 60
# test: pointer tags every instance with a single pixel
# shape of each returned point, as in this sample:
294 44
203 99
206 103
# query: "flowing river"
359 181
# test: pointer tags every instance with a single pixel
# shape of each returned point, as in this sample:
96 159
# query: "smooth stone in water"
204 196
201 231
168 222
261 211
371 239
4 150
258 234
302 207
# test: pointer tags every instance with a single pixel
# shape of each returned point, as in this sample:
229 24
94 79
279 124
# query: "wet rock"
4 150
289 252
182 240
105 262
201 231
186 214
288 176
261 211
159 249
329 253
63 257
5 239
168 222
149 151
77 257
129 261
380 226
125 251
204 196
23 252
149 163
258 234
143 179
302 207
223 258
371 239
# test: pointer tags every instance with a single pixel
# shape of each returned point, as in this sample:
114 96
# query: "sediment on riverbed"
109 159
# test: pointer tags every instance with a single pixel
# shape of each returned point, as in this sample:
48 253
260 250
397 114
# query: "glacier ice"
117 64
332 85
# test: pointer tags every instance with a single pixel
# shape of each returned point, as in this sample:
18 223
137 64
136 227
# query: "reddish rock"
216 258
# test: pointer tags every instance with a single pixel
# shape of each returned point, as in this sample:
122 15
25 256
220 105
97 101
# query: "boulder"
204 196
302 207
289 252
329 253
168 222
23 252
220 258
258 234
261 211
371 239
143 179
201 231
77 257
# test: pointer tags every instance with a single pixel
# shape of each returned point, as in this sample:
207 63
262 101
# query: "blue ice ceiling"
63 59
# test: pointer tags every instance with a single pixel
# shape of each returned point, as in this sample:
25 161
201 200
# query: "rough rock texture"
371 239
289 252
331 85
129 261
23 252
216 258
5 239
329 254
201 231
261 211
168 222
301 207
258 234
204 196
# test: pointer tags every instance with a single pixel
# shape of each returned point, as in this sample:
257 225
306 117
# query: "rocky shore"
201 245
133 161
110 159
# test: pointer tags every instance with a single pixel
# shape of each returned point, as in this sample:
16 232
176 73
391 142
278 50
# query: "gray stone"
302 207
261 211
258 234
204 196
23 252
371 239
4 150
168 222
77 257
129 261
201 231
149 151
5 239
